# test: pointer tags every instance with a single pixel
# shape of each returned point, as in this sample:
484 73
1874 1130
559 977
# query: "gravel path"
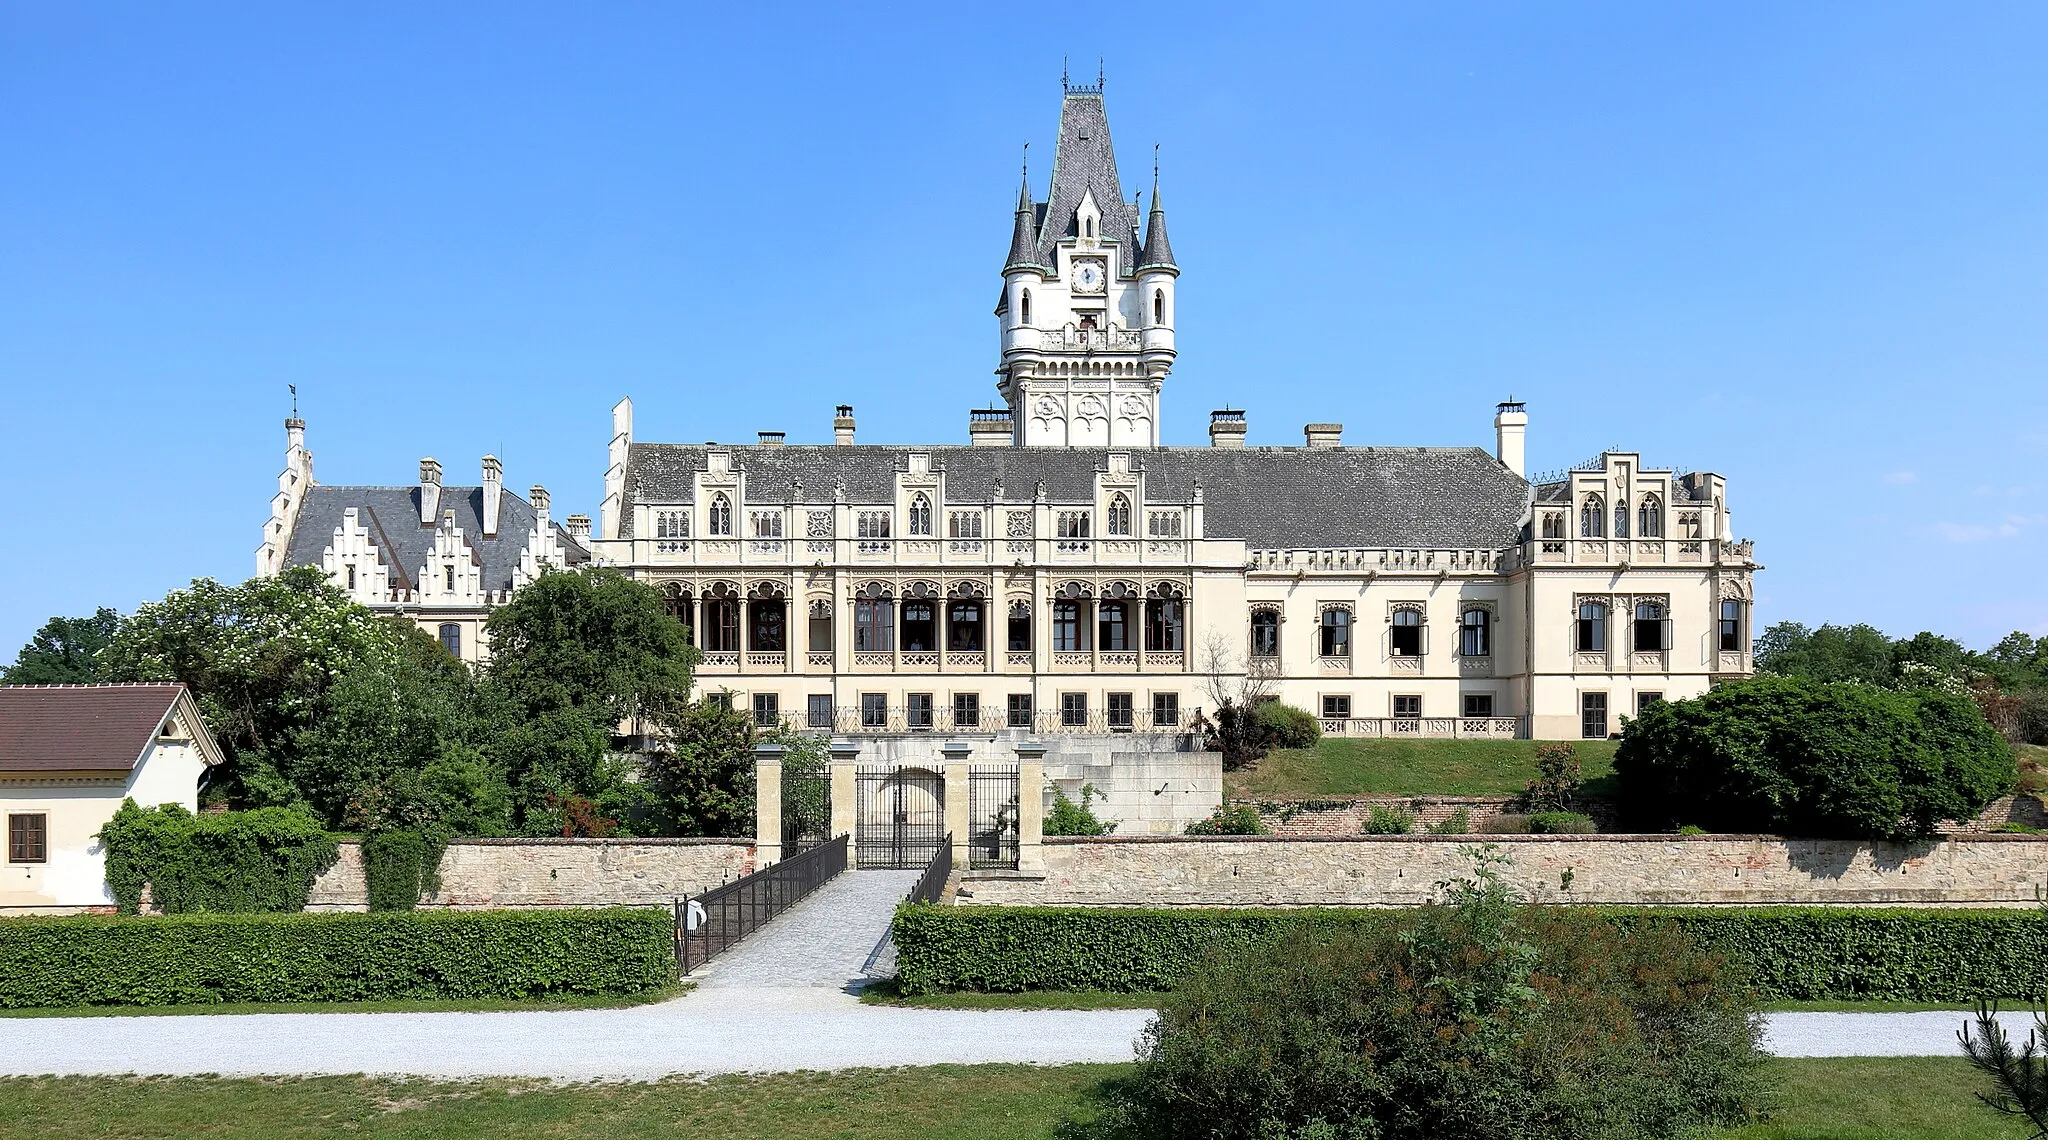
823 942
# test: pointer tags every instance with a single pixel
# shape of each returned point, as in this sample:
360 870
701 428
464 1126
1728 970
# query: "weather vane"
295 399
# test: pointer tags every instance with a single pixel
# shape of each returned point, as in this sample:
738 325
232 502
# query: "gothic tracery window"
1120 515
921 515
1593 518
1650 518
719 521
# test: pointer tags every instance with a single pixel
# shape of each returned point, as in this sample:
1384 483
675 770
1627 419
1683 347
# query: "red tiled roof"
54 728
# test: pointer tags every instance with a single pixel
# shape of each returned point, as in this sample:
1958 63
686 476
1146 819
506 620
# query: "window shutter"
1425 639
1664 634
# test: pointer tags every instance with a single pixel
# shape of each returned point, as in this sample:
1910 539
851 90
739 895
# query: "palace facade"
1064 572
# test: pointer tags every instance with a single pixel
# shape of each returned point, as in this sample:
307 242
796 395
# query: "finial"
1064 85
1155 164
1027 161
1098 73
295 399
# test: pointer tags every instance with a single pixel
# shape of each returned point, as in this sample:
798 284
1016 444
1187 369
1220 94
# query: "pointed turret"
1024 238
1084 166
1158 250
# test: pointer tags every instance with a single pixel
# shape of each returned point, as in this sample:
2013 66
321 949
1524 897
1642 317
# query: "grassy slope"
1339 767
1854 1099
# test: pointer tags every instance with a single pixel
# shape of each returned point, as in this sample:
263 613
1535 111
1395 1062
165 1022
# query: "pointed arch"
921 515
1120 514
1593 518
720 516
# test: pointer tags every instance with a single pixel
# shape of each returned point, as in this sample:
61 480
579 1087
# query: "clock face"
1088 277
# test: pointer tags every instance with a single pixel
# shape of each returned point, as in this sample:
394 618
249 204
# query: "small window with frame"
1018 708
1166 710
1408 707
28 837
1337 708
1478 705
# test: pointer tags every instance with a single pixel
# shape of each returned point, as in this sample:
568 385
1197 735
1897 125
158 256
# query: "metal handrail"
932 883
718 919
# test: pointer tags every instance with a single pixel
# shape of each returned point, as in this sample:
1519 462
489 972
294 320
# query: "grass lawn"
1853 1099
1340 767
423 1005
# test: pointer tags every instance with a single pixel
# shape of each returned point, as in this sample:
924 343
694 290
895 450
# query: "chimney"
295 434
538 496
494 485
989 427
1226 427
773 438
578 527
1510 424
842 426
1322 435
430 491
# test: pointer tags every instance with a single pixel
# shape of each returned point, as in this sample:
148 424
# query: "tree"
702 781
591 639
1830 653
64 652
1932 650
1794 757
259 658
1239 733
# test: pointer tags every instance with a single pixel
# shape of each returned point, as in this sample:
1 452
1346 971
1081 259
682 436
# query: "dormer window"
720 520
448 577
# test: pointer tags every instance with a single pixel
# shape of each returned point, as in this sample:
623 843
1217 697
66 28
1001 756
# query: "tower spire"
1158 251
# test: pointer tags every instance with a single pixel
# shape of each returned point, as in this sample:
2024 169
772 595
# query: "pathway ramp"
822 943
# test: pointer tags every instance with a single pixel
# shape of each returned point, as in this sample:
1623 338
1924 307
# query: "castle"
1064 572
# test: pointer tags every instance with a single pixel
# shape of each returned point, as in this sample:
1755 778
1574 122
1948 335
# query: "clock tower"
1086 314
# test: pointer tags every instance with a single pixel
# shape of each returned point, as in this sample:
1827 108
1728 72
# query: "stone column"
1031 806
845 793
767 805
957 798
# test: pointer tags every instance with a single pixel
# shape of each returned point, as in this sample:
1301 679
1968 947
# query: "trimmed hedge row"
203 959
1790 953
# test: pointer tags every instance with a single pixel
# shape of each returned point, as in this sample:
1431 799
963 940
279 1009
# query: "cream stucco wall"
78 805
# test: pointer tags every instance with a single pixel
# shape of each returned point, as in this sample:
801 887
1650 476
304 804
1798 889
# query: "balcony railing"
900 719
1100 340
1435 727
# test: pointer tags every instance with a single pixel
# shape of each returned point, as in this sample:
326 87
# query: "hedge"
204 959
1790 953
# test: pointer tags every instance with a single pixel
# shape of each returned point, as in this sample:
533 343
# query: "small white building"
69 754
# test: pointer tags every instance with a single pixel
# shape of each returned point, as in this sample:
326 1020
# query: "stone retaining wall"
479 874
1347 815
1401 870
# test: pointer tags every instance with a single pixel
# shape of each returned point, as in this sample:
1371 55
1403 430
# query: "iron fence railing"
714 921
932 883
993 816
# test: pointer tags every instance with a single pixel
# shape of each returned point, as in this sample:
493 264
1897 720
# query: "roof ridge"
100 685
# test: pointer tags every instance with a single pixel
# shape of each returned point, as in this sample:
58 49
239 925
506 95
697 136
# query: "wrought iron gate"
992 818
902 818
806 806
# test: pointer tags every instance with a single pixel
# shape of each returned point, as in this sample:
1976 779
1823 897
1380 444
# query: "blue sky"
1804 245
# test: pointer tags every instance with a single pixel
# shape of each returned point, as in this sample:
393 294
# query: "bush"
1457 823
1689 829
1230 819
1475 1019
204 959
1506 823
1070 818
1386 820
1290 727
1789 953
1561 823
1558 777
401 865
1240 735
237 862
1800 758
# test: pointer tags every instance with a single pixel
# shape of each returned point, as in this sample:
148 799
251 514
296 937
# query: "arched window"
1165 621
1592 627
920 626
1553 524
451 639
351 576
1266 633
1592 518
1114 621
1405 639
874 624
1120 514
1475 633
1333 637
721 619
448 577
920 514
821 626
767 621
1026 306
721 515
963 625
1650 518
1158 306
1019 634
676 601
1087 227
1621 520
1730 631
1649 628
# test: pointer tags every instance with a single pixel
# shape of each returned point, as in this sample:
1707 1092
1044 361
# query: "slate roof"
1158 250
97 728
1270 497
1085 161
392 516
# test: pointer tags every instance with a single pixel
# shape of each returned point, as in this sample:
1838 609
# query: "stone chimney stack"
578 527
1510 424
1322 435
295 434
1226 427
494 486
773 438
990 427
842 425
430 491
538 496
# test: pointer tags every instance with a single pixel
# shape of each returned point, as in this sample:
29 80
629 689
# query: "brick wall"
483 873
1400 870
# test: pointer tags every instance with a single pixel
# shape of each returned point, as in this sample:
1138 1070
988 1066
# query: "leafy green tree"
1944 654
702 782
260 658
1793 757
591 639
64 652
1830 653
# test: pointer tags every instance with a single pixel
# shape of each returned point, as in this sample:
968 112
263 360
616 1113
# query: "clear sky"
1803 245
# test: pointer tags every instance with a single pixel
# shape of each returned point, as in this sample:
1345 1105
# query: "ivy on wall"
401 865
242 862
